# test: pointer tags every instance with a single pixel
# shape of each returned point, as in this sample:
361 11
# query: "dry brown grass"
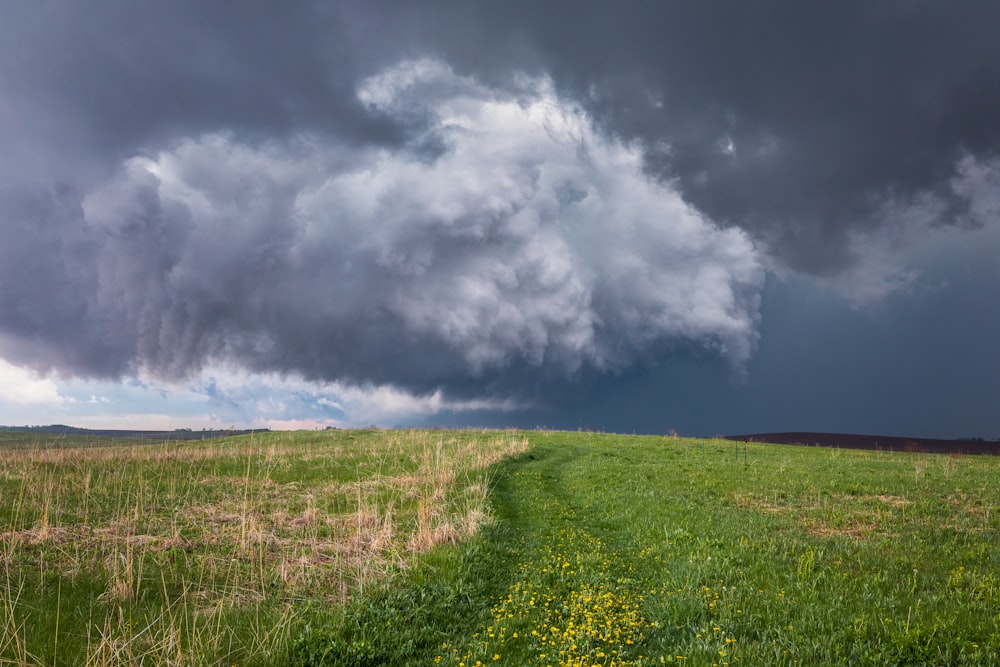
231 524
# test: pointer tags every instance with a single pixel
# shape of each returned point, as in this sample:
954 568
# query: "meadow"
494 548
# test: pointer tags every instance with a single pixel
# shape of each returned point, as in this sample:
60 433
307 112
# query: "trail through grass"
613 550
418 548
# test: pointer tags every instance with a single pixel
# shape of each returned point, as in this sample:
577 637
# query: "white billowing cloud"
588 260
22 387
508 233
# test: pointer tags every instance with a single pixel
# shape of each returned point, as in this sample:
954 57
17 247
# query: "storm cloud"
506 232
490 200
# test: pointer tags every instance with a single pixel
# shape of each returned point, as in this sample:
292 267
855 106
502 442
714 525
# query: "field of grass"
206 552
480 548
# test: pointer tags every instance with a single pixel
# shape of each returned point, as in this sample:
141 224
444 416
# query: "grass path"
588 585
575 595
613 551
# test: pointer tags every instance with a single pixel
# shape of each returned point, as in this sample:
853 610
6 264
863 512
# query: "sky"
709 218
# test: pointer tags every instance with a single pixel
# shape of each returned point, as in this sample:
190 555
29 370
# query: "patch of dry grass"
191 543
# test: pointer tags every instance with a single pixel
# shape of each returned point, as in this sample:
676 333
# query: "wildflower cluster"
573 606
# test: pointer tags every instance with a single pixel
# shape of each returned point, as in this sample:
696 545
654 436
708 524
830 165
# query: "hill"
875 442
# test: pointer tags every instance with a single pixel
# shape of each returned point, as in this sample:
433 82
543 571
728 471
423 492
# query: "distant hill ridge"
178 434
875 442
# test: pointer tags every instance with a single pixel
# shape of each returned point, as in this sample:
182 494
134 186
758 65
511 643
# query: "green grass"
417 548
612 550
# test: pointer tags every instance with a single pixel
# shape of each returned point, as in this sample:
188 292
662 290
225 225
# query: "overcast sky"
723 217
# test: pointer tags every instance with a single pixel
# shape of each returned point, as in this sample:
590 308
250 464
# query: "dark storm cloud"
526 240
128 75
791 119
469 194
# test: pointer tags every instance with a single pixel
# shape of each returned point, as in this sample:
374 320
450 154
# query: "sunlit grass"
465 548
206 552
614 550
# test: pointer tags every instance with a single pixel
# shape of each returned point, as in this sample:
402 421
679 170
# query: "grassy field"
207 552
513 548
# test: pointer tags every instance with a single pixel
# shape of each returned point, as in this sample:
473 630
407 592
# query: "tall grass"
206 552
